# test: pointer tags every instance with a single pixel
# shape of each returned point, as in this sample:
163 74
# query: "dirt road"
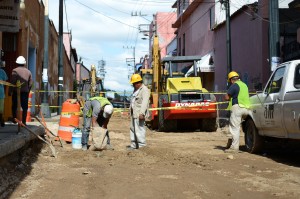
174 165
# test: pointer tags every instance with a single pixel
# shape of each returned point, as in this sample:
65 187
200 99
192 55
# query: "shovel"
134 133
39 137
61 144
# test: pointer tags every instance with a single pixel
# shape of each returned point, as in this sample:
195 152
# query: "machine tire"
209 124
253 141
165 125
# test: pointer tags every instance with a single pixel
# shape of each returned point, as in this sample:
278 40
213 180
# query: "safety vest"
103 102
243 96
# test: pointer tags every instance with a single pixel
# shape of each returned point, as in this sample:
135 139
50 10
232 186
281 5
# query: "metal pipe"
60 57
45 104
228 37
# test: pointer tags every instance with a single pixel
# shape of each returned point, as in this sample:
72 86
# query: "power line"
115 8
105 15
66 15
263 19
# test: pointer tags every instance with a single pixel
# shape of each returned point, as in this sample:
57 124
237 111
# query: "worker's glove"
99 138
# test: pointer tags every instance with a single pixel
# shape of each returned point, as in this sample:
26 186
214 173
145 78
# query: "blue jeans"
88 120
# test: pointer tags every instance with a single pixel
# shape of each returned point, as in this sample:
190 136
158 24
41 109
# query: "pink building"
162 25
198 34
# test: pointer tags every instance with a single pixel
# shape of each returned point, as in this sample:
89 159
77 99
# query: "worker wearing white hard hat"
108 111
22 74
96 112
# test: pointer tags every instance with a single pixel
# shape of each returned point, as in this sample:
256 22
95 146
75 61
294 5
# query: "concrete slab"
11 140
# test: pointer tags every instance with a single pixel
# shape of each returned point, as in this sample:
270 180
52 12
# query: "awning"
206 64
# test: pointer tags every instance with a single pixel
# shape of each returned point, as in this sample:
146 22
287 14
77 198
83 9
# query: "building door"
9 45
32 67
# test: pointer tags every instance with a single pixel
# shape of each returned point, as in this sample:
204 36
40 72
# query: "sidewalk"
11 140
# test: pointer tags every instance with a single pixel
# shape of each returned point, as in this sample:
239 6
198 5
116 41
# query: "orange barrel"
69 119
28 117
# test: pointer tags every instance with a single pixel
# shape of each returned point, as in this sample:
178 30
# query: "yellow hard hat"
135 78
232 74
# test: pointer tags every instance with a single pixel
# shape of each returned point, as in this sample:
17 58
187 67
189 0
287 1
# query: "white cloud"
96 37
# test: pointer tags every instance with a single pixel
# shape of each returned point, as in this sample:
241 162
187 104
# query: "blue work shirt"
3 77
233 91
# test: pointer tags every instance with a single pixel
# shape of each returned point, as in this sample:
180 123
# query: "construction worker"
139 111
96 112
239 104
3 77
22 74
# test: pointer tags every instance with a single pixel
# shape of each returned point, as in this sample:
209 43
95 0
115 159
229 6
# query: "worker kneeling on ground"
96 114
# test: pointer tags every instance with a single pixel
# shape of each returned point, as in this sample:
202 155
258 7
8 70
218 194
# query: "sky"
107 30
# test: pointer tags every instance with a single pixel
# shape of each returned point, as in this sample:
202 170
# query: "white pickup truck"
275 111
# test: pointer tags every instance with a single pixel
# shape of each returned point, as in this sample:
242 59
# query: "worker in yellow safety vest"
96 113
239 104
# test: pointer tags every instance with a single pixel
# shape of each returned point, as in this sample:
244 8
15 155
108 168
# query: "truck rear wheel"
165 125
253 141
208 124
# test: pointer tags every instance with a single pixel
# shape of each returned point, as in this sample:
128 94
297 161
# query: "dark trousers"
24 105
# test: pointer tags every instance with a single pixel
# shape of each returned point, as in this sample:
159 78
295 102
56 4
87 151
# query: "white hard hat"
21 60
108 110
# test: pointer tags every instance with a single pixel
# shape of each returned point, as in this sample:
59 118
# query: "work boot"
84 147
232 150
130 148
229 142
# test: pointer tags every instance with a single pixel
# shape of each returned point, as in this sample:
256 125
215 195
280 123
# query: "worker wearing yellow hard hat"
232 74
139 112
135 78
239 104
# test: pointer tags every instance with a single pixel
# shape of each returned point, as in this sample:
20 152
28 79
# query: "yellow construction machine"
178 101
91 87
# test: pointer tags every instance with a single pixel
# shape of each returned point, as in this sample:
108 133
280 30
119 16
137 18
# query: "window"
212 17
274 85
182 6
9 42
297 77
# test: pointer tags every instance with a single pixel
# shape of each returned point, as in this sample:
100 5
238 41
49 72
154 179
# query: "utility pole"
132 47
60 58
228 34
45 104
101 70
274 34
134 58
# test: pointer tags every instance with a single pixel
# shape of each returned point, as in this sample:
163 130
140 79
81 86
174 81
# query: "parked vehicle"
276 110
178 98
91 87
